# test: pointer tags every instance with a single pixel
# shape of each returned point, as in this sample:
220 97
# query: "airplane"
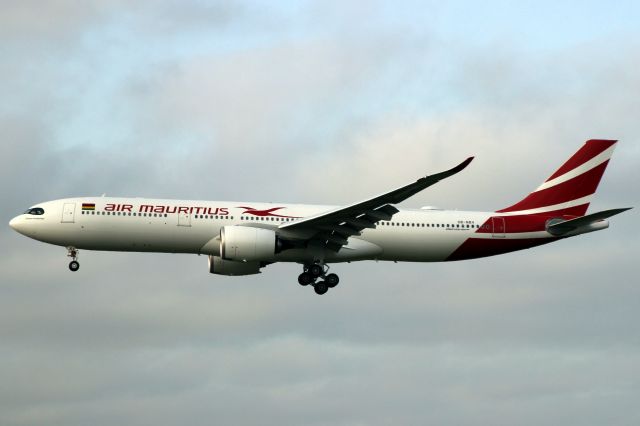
242 238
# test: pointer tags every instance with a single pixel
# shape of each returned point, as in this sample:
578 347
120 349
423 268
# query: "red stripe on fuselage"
482 247
589 150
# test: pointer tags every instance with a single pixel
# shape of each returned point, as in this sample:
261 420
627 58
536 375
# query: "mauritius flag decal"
88 206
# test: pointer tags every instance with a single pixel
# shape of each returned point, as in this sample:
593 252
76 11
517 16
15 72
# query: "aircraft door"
68 212
498 227
184 219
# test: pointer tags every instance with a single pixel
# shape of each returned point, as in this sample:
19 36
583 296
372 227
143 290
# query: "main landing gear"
315 271
74 265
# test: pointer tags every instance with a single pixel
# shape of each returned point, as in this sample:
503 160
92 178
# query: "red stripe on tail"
578 187
567 190
589 150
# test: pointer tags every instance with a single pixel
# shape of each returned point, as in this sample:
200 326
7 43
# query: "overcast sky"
317 102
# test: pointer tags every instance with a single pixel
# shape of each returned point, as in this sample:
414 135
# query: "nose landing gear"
74 265
311 273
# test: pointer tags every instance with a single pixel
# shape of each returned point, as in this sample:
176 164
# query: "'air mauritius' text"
149 208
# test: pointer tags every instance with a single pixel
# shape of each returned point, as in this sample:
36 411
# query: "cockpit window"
36 211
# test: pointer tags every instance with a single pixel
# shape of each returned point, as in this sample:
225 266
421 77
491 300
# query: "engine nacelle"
220 266
245 243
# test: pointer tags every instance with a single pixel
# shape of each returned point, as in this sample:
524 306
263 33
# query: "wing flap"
376 215
360 223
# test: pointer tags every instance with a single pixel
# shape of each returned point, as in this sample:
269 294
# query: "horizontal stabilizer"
566 226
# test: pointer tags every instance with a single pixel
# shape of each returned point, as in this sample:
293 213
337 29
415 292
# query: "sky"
329 103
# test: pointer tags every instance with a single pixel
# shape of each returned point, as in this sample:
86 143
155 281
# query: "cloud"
60 21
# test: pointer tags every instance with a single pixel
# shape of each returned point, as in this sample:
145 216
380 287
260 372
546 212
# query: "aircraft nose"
16 223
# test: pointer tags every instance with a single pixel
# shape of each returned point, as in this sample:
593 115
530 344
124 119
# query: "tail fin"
569 190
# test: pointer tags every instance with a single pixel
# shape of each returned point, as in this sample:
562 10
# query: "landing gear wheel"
321 287
332 280
72 252
305 278
316 270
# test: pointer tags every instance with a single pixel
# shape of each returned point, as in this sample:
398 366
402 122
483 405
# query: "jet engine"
245 243
220 266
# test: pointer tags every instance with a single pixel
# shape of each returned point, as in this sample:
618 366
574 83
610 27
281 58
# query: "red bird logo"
263 213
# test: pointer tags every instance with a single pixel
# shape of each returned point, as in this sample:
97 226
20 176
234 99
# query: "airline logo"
154 208
264 213
88 206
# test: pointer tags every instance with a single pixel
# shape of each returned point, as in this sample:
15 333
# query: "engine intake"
245 243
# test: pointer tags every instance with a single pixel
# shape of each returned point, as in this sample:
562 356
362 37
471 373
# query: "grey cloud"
61 21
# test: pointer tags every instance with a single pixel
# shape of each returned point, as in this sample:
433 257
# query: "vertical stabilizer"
569 190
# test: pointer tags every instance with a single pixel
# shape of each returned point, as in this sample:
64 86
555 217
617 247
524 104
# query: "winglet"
460 167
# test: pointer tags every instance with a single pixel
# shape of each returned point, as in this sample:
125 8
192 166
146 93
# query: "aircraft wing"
334 227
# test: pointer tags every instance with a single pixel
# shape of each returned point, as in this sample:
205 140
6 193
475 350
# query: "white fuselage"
177 226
